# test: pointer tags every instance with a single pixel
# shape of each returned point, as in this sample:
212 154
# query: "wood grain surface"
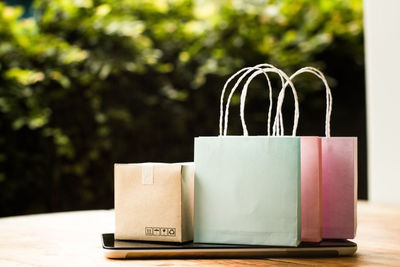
74 239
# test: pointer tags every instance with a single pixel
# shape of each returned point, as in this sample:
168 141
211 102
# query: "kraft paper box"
154 201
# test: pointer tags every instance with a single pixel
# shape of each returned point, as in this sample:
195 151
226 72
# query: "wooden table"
73 239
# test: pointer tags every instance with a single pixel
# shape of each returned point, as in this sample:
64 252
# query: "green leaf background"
87 83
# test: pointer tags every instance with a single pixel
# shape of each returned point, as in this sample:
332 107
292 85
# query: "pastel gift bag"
338 177
339 180
247 189
339 187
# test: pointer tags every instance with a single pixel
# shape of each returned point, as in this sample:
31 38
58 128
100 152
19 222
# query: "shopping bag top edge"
285 136
157 163
249 136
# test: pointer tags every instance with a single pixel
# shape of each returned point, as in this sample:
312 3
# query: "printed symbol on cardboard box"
164 231
149 231
156 231
171 232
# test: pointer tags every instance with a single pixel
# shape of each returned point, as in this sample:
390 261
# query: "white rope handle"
221 102
244 93
320 75
270 100
221 112
249 70
269 94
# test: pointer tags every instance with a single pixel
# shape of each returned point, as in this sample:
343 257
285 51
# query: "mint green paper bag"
247 190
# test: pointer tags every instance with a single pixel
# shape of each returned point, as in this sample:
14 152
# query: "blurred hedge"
91 82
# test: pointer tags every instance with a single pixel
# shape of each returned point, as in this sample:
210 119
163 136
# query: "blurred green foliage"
87 83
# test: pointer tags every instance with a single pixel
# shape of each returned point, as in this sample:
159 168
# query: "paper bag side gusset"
311 216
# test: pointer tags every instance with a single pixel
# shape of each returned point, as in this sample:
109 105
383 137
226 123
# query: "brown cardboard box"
154 201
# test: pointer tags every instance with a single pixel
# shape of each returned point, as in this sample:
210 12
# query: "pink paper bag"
338 168
339 187
311 214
